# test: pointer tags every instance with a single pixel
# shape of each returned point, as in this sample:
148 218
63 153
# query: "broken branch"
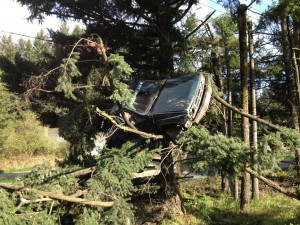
55 196
255 118
273 185
125 128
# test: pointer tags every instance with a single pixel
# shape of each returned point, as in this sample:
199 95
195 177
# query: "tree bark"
290 85
166 51
56 196
245 184
255 183
296 35
287 51
128 129
262 121
274 185
217 70
169 185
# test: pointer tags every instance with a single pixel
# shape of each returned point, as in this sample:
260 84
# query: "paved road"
12 175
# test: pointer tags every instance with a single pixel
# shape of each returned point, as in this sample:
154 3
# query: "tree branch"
197 28
55 196
255 118
272 184
125 128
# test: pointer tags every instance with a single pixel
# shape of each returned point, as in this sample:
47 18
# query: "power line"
251 9
227 13
24 35
214 8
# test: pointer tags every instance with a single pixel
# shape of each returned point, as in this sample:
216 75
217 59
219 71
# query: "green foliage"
110 182
207 205
25 136
215 153
122 94
212 153
276 147
120 69
7 208
11 107
68 71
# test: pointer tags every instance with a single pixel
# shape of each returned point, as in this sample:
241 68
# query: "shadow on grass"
218 216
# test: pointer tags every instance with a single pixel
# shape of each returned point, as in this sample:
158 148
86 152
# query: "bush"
26 136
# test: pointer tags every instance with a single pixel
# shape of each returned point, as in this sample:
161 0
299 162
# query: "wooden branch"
197 28
128 129
55 196
273 185
24 201
255 118
82 172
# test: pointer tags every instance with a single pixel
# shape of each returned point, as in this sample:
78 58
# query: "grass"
207 205
25 162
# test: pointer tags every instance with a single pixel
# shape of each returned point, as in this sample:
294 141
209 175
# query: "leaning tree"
145 33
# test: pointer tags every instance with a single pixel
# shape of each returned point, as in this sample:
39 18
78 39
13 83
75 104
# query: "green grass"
207 205
16 170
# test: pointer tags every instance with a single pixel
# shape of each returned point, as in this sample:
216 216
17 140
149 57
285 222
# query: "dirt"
25 161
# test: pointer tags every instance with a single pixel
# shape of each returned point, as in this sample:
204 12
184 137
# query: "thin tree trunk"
233 182
229 83
216 64
296 35
287 51
255 183
217 70
288 72
274 185
245 184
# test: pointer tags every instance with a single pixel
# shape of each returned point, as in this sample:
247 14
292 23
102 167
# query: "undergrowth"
205 204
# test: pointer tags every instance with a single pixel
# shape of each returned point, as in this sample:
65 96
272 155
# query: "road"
12 175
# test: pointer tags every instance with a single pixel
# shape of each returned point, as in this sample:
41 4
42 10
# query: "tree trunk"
229 83
296 50
286 49
245 184
217 70
255 183
216 65
274 185
166 51
290 85
169 184
233 181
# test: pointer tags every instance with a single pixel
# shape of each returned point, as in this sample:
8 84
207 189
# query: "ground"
23 162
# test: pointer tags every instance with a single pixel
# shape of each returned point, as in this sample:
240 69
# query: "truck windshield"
145 93
177 94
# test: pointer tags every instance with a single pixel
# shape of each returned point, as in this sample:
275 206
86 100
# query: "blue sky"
13 17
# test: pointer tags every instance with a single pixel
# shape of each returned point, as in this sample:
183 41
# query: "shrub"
26 136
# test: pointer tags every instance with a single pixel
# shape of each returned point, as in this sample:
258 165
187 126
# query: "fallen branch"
24 201
82 172
125 128
55 196
273 185
255 118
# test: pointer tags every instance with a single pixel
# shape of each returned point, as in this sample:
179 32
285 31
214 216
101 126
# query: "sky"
13 20
13 17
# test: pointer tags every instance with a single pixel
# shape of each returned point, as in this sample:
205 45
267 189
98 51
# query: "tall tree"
150 23
255 185
245 187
